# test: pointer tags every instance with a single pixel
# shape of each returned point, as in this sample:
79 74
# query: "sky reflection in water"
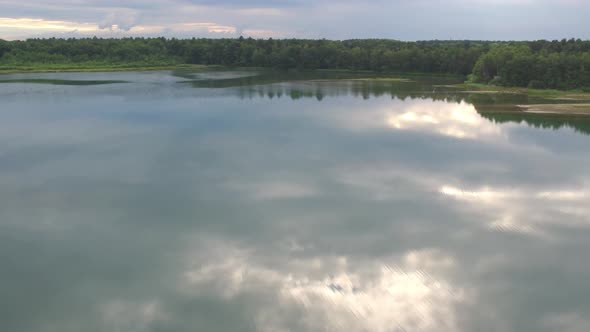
158 206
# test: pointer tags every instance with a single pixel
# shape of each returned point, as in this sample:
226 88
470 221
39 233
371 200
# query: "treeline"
375 55
561 64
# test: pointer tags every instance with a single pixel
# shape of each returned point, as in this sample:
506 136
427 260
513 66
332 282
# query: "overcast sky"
333 19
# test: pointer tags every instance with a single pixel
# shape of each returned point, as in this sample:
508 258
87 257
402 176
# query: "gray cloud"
121 20
398 19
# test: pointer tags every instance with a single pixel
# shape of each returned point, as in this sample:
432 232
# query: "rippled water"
231 202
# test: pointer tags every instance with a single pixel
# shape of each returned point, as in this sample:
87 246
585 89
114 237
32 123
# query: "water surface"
231 201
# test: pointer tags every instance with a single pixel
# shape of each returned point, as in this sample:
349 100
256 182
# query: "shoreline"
564 109
573 95
33 69
577 102
98 69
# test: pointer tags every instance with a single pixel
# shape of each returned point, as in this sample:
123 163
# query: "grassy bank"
573 95
558 102
93 67
574 109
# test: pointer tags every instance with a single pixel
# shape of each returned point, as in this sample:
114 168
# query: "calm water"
224 201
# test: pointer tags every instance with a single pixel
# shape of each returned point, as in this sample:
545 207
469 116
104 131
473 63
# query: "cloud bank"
397 19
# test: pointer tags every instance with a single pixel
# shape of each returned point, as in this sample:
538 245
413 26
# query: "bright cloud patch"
449 119
31 24
409 293
17 28
525 211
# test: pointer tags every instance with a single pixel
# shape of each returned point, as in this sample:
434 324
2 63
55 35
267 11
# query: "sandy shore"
575 109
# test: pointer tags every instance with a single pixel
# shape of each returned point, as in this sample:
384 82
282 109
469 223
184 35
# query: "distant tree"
562 64
4 47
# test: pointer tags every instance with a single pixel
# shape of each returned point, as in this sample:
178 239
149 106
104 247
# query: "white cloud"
33 24
120 20
112 25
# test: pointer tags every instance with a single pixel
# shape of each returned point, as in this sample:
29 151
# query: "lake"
245 201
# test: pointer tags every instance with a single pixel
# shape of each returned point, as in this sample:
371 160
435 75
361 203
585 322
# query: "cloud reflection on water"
162 208
459 120
527 211
409 293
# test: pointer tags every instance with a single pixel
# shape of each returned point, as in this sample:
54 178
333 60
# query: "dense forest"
563 64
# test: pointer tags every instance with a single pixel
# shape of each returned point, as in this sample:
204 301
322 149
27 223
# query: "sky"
332 19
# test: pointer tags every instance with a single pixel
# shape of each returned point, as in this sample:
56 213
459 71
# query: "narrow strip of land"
574 109
94 68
